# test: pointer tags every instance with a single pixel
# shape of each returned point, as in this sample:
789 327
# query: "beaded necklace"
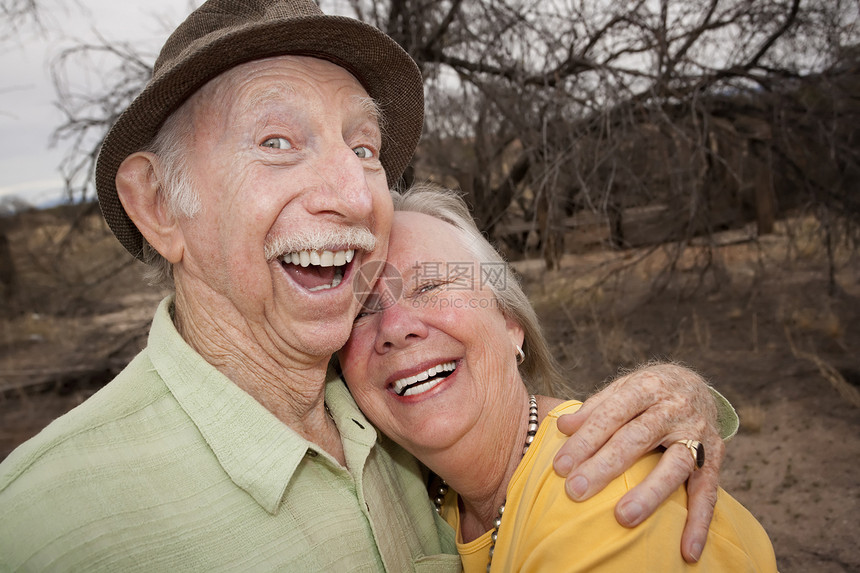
530 436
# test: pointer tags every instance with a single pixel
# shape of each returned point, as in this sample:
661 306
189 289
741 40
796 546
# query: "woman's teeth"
416 384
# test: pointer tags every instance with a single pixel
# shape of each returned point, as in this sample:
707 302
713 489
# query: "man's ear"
137 184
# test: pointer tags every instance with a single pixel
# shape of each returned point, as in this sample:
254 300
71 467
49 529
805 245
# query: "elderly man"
254 170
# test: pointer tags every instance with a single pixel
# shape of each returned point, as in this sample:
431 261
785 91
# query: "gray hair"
539 370
171 146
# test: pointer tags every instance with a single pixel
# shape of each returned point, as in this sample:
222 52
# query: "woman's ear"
138 184
515 331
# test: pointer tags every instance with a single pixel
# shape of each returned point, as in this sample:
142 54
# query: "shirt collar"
259 452
356 432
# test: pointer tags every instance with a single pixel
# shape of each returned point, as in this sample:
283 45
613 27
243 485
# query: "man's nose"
344 185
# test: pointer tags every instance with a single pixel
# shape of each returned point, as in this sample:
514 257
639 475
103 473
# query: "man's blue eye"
363 152
277 143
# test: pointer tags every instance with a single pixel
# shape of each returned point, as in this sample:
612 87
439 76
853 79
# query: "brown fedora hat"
222 34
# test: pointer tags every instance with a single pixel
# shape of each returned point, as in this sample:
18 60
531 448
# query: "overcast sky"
28 114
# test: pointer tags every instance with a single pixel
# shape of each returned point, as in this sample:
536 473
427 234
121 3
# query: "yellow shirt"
544 530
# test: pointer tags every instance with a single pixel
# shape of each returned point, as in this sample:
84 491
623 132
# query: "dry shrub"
616 346
581 292
702 331
806 238
752 418
848 392
812 320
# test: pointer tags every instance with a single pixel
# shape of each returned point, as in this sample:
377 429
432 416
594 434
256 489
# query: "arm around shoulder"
544 530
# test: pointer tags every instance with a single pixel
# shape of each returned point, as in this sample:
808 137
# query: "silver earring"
521 356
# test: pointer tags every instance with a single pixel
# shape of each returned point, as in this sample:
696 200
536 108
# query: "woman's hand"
655 405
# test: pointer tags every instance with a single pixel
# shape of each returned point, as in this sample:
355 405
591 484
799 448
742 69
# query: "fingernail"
631 512
696 551
577 487
563 465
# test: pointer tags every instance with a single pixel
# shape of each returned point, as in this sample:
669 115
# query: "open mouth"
423 381
317 271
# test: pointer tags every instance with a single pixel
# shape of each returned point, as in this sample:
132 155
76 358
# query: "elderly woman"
442 369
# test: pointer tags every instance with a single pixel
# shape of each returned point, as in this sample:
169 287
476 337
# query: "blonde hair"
539 370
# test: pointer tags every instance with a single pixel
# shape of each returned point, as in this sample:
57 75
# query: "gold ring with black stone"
697 450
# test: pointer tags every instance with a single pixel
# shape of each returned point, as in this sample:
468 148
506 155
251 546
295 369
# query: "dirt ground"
754 317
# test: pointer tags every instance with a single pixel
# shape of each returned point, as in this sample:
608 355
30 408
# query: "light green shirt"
172 467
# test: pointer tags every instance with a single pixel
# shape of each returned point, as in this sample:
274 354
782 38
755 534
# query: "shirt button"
311 454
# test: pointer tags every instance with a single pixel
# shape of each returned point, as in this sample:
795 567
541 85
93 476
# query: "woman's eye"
277 143
363 315
423 289
371 306
360 315
363 152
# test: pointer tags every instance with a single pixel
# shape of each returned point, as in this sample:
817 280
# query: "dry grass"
757 320
848 392
754 317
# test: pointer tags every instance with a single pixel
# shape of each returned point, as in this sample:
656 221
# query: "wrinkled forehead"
272 80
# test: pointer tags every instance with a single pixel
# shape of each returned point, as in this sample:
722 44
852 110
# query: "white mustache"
320 240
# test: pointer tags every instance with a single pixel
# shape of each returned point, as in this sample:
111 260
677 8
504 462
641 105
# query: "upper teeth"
403 383
324 259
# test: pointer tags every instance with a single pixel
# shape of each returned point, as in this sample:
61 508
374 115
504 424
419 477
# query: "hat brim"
383 68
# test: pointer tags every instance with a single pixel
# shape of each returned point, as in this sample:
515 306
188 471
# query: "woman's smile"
423 381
